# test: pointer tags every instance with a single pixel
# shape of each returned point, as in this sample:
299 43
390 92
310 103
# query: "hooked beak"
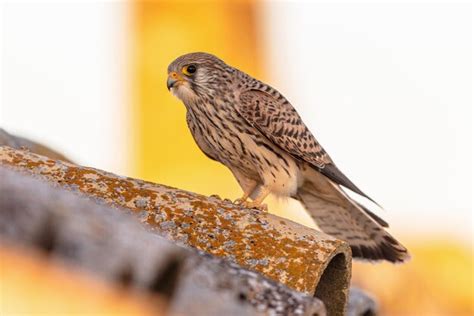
173 79
170 83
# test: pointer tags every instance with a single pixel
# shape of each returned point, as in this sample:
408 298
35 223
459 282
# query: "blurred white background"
385 87
64 77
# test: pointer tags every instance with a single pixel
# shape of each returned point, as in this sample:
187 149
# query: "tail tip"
389 249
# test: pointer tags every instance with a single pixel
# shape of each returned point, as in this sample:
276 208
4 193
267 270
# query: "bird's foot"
240 201
255 205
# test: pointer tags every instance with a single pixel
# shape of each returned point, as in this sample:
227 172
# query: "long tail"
340 216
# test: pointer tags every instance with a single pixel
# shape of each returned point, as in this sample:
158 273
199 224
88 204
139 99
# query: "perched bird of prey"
253 130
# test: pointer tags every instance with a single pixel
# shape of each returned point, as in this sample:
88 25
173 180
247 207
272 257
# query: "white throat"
183 92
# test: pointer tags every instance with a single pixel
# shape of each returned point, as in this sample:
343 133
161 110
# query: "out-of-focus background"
386 87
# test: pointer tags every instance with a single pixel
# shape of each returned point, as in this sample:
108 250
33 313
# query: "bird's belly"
249 152
227 148
276 169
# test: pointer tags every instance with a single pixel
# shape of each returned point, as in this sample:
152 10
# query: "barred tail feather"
363 230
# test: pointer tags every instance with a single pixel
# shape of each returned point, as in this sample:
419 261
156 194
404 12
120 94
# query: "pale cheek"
183 92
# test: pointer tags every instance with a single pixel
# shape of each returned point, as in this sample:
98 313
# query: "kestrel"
253 130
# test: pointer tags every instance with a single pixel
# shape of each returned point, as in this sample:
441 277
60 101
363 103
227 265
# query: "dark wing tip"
389 249
332 172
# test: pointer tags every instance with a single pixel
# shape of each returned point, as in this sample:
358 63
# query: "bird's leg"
257 202
248 190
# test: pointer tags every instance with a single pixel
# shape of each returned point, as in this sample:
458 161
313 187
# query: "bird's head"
194 74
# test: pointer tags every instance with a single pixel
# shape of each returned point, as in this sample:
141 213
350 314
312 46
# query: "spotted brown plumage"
253 130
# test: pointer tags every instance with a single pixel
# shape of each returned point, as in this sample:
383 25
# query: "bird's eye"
189 70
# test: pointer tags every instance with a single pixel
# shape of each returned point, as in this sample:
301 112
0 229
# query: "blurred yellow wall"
437 281
164 30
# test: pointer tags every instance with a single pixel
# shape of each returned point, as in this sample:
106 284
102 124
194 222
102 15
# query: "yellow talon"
240 201
255 205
